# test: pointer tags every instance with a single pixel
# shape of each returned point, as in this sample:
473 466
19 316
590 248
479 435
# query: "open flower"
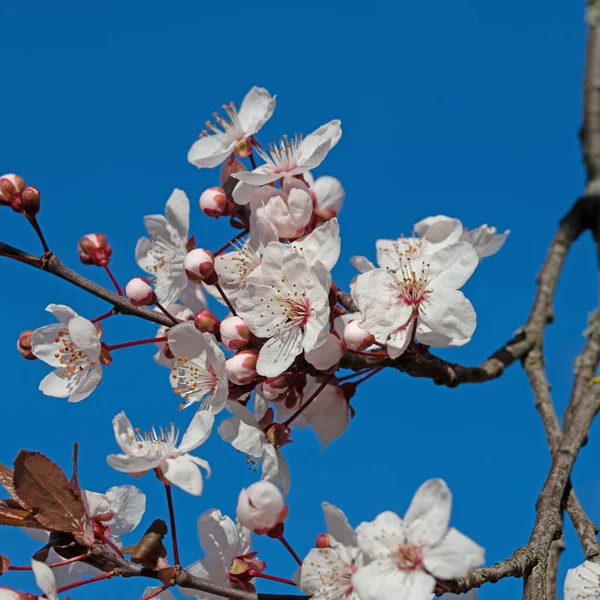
160 451
162 254
199 373
289 157
214 147
223 541
424 291
73 347
408 555
245 434
583 582
289 304
181 312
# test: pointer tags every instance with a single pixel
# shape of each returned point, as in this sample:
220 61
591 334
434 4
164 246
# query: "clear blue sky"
466 108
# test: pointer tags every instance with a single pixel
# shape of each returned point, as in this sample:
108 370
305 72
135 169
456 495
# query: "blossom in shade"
44 579
199 372
245 434
409 555
583 582
159 450
219 140
163 253
288 303
223 541
327 355
422 297
73 348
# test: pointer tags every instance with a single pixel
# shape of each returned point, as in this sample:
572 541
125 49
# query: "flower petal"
330 193
127 505
454 556
178 212
210 150
58 385
452 266
581 583
380 538
279 352
43 345
322 245
428 515
63 313
219 535
87 384
260 176
382 580
449 314
256 109
338 526
197 432
329 134
44 579
85 335
124 434
184 473
133 464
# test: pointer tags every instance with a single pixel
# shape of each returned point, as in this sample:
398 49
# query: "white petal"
197 432
210 150
449 314
256 109
275 469
338 526
327 574
279 352
380 538
219 535
133 464
382 580
583 582
399 340
243 436
85 335
63 313
330 193
87 384
440 231
184 473
43 345
127 507
260 176
362 264
322 245
428 515
242 193
44 579
452 266
328 134
60 386
124 434
95 504
454 556
178 212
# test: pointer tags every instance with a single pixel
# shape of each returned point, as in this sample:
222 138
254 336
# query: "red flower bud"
24 345
94 249
206 321
30 201
10 185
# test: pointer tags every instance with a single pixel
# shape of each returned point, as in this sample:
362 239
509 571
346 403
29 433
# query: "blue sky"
468 109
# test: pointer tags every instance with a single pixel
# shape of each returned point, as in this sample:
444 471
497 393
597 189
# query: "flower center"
71 357
297 310
193 381
413 285
408 557
230 127
161 443
240 266
283 157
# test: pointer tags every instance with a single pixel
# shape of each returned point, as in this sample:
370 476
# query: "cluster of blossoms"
270 360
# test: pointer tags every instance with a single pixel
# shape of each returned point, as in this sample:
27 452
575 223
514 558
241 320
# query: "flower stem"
374 354
225 298
136 343
173 529
166 313
252 161
374 372
111 545
230 242
156 592
290 549
110 313
112 278
32 261
108 575
37 229
60 563
315 394
356 374
254 573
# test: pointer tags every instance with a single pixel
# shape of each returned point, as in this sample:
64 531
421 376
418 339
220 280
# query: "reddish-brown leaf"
74 482
43 486
4 564
6 481
18 517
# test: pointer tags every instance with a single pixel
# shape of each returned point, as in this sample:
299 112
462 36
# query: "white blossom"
408 555
73 348
214 147
199 373
159 450
44 579
180 312
583 582
328 194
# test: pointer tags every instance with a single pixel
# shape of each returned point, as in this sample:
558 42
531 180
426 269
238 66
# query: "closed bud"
139 292
278 434
105 355
206 321
261 507
24 345
167 352
322 215
234 333
213 202
327 355
10 185
357 338
30 201
241 367
199 265
243 148
275 387
94 249
323 541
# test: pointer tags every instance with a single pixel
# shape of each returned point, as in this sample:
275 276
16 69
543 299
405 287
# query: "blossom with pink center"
199 373
288 303
159 450
219 140
408 555
420 298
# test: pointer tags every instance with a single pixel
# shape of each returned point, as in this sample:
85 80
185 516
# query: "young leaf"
6 480
17 517
43 486
74 482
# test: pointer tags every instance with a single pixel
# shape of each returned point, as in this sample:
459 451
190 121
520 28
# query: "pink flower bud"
241 367
275 387
357 338
234 333
206 321
24 345
261 507
30 201
213 202
199 265
94 249
10 185
228 169
323 541
139 292
327 355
